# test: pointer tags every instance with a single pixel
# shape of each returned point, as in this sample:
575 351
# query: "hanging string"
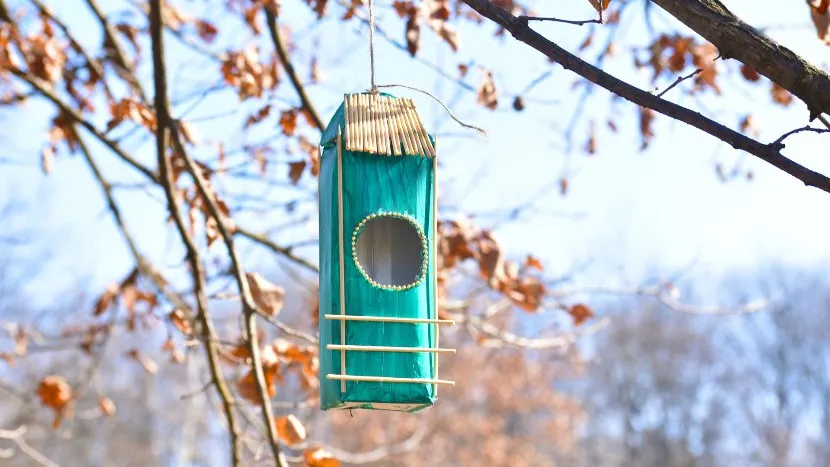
375 86
372 44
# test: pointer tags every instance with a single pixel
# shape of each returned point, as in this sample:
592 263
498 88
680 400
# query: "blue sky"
660 208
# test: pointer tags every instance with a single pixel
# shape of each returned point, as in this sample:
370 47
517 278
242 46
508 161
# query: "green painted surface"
374 184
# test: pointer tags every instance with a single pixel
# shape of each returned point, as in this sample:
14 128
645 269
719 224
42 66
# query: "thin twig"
263 240
779 142
282 52
46 91
557 20
120 57
16 436
94 64
145 268
196 265
679 80
768 153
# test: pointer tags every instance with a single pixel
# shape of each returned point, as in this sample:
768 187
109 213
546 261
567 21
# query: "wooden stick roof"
379 124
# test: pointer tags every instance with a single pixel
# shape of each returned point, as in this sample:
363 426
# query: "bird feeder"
378 324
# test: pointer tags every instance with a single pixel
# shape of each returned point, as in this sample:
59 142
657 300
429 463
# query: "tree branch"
16 436
737 39
780 140
93 63
165 124
196 265
263 240
679 80
766 152
119 56
145 268
282 52
46 91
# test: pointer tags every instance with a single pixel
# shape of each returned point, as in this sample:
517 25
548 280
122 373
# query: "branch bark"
282 52
165 124
197 268
770 153
737 39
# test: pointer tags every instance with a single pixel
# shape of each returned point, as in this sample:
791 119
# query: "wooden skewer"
384 348
383 123
419 125
384 319
389 379
401 127
394 134
340 248
435 253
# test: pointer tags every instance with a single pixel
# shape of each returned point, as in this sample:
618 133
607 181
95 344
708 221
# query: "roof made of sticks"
379 124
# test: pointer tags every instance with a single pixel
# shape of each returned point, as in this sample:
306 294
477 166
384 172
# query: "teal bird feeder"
378 323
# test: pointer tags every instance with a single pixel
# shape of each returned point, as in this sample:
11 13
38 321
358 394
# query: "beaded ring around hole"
424 255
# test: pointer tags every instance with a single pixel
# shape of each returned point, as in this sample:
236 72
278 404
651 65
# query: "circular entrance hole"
390 251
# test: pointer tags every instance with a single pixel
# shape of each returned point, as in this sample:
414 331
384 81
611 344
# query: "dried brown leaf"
258 116
47 159
180 322
749 73
54 392
290 430
646 122
248 389
413 35
107 406
534 262
518 104
821 19
580 313
487 95
269 297
288 121
319 457
780 95
146 362
207 30
295 171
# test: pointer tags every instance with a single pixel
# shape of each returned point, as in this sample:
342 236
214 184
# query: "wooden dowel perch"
389 379
383 348
384 319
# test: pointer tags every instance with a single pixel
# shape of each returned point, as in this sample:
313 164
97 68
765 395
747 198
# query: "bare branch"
16 436
165 124
559 342
557 20
282 52
93 63
263 240
665 296
196 265
120 57
766 152
737 39
780 140
376 455
679 80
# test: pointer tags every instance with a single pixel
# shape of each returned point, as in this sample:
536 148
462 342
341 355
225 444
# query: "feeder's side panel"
329 295
374 184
